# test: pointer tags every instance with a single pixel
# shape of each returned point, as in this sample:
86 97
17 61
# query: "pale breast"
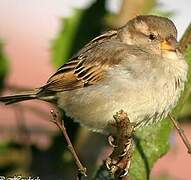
146 98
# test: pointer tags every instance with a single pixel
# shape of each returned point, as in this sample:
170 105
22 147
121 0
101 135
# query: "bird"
138 68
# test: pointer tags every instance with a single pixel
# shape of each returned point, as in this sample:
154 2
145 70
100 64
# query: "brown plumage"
87 67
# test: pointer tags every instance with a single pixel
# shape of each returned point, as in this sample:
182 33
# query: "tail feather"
17 98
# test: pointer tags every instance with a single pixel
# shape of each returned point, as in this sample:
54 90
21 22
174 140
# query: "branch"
186 39
59 123
181 133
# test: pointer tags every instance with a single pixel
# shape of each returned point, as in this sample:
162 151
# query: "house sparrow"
137 68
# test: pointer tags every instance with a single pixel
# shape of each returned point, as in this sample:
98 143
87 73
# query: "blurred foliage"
185 101
128 10
158 10
11 161
3 65
63 43
5 146
77 30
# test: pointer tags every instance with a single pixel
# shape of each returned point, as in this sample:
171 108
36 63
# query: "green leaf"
151 143
186 100
3 66
62 45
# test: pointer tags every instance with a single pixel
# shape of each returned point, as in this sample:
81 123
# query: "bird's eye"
152 37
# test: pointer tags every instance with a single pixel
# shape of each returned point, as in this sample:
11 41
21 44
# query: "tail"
17 98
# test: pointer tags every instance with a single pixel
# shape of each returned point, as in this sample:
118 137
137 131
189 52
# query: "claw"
126 170
127 143
124 174
123 154
111 140
128 147
107 163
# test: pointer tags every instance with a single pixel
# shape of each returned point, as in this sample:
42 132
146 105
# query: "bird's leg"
120 159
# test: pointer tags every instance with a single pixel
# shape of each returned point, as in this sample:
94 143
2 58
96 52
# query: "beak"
169 44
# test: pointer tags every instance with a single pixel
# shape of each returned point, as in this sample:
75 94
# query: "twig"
59 123
186 39
184 43
181 133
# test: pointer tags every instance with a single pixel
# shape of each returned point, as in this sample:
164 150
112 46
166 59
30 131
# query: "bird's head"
153 33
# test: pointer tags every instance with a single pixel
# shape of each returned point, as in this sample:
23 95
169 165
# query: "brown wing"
89 65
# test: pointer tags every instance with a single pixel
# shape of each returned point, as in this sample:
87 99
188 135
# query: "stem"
181 133
186 39
57 120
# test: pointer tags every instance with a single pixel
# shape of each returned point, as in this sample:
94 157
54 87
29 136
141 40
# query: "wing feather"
89 65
